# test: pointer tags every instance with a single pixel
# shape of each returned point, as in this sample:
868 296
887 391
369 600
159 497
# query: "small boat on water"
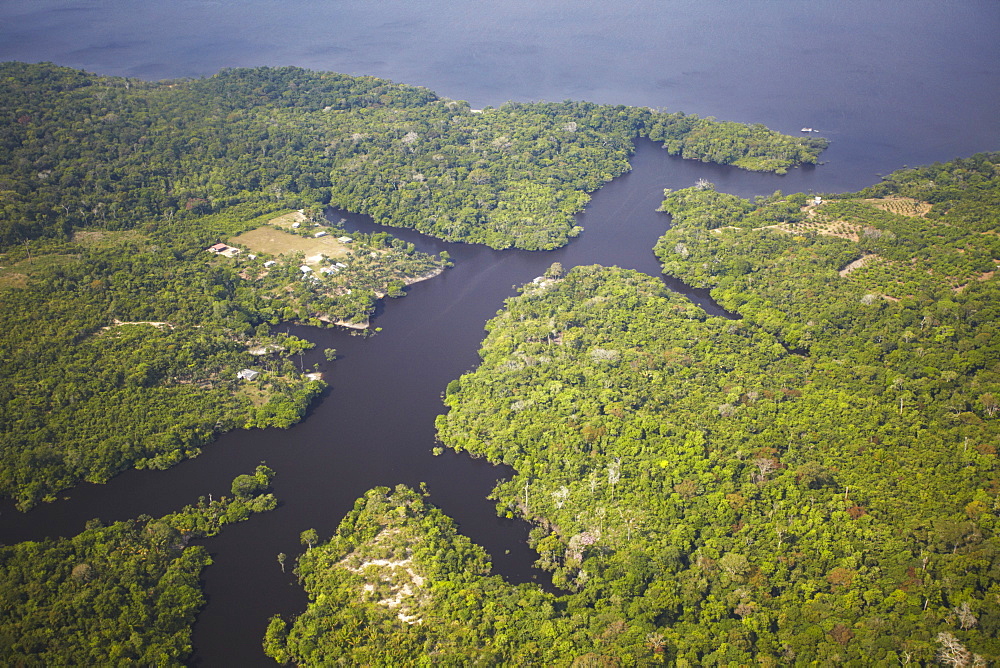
808 130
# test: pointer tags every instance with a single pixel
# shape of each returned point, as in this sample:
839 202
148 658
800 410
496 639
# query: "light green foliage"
122 594
398 586
817 481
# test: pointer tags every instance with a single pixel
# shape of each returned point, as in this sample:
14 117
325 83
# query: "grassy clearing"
287 220
257 395
17 274
276 241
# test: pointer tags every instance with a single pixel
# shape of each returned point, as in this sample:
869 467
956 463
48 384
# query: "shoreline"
381 295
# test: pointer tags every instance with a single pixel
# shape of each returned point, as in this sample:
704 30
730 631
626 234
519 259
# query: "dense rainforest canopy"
121 594
815 481
112 189
81 150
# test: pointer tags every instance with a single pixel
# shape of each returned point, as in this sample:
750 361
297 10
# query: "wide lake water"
890 83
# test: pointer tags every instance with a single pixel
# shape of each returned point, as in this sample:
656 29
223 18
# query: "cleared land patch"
831 228
17 274
860 262
276 241
392 582
903 206
106 238
119 323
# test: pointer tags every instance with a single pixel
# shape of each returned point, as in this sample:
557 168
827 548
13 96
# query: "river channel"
375 424
890 83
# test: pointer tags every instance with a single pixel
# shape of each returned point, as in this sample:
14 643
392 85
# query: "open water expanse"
890 83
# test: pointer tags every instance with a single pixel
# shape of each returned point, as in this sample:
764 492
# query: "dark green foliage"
122 594
752 147
703 207
86 151
112 189
248 486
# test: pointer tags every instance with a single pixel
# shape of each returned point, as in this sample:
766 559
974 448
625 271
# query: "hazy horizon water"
890 83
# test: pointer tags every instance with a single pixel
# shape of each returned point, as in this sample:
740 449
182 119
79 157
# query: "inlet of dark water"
890 83
375 424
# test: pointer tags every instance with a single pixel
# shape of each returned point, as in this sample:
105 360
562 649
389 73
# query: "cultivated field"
836 228
903 206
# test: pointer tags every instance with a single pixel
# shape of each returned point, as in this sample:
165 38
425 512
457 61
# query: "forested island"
812 479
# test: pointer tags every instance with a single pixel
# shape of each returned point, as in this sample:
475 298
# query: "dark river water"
890 83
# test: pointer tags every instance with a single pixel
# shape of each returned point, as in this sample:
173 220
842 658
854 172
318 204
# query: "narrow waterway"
375 425
890 83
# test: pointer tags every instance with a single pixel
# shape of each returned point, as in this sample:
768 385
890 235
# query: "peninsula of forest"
811 480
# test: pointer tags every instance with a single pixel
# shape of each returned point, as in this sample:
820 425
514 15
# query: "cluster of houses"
307 270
